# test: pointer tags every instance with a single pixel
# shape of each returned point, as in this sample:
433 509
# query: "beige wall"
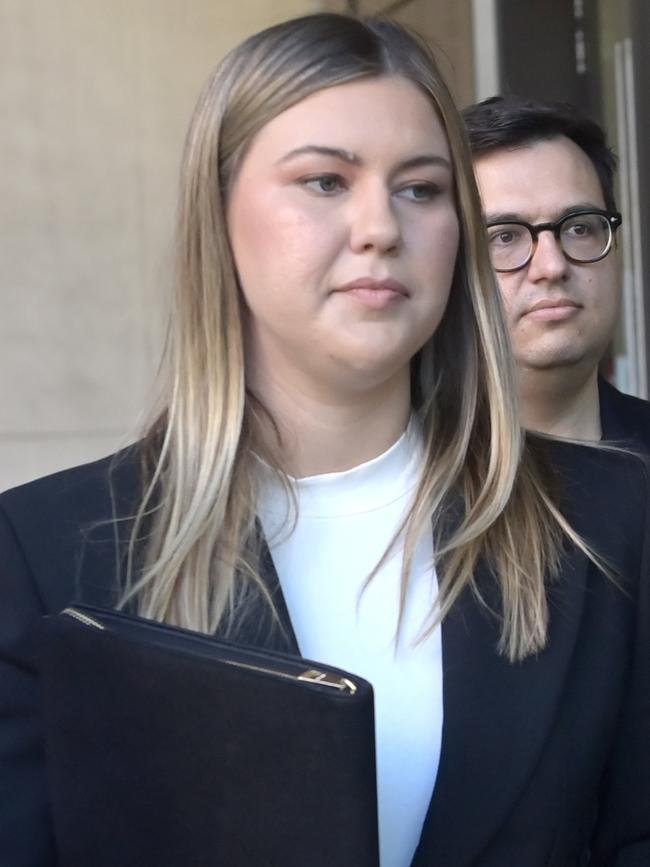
94 100
447 26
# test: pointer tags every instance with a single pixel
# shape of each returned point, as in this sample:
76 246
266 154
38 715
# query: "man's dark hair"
504 122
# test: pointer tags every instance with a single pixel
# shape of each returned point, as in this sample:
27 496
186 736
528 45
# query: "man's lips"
374 293
552 309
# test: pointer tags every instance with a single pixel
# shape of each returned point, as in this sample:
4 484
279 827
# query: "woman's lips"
376 294
554 310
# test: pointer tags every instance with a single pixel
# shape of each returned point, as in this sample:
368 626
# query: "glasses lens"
510 246
585 237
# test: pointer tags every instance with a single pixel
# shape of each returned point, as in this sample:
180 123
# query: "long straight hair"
194 558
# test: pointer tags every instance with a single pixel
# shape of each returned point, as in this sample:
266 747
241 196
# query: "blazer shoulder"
605 496
594 469
62 527
73 488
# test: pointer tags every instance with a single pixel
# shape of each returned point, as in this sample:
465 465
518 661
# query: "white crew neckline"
371 485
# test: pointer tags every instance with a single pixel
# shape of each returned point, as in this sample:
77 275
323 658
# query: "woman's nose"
374 223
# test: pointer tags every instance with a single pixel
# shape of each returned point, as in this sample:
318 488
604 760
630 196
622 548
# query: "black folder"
167 748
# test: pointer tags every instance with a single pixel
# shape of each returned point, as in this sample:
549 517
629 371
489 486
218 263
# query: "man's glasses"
584 236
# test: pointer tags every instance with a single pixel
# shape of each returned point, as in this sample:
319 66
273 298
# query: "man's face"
538 183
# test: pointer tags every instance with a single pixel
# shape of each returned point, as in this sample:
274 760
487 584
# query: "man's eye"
504 237
578 230
325 184
420 192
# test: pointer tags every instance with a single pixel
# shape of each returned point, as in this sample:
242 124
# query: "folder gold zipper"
83 618
311 675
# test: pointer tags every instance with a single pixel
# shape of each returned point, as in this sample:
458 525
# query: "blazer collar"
612 414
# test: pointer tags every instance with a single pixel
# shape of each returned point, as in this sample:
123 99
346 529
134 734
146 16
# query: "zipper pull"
343 684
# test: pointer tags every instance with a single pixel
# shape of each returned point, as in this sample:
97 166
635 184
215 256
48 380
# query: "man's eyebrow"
354 159
508 217
512 217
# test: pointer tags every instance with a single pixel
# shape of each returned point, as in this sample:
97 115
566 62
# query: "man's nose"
374 223
549 261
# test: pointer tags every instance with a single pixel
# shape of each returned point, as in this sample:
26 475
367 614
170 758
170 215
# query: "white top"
345 522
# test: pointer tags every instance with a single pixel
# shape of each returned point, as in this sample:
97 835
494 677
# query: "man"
545 174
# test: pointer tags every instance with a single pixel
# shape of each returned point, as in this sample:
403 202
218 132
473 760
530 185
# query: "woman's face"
344 230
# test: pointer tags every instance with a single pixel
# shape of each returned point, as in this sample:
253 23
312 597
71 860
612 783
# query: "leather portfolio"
168 748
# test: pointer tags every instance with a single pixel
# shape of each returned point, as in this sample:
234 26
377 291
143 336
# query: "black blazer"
545 763
624 419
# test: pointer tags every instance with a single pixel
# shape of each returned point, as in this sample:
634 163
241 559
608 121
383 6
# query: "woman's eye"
325 184
420 192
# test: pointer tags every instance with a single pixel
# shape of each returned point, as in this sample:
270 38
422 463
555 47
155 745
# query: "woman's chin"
367 371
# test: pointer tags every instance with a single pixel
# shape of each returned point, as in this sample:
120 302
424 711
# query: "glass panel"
627 363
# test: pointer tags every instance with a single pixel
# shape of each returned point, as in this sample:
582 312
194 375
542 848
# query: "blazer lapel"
496 717
257 626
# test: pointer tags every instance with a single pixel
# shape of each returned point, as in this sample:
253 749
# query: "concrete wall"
95 98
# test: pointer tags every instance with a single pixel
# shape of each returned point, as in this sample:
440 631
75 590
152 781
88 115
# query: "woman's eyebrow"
424 160
354 159
337 153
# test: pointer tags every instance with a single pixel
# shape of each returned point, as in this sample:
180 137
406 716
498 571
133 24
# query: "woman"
338 379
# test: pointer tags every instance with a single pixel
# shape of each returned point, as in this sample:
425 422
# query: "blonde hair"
194 558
